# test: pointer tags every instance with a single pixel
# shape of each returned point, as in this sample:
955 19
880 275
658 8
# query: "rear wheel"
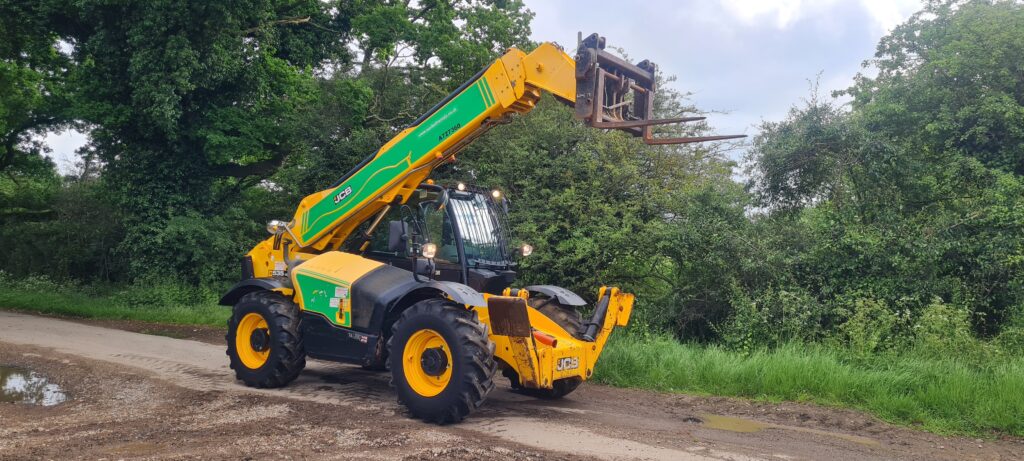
263 340
559 388
442 364
566 317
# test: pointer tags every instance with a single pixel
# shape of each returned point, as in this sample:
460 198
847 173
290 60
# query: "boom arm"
607 91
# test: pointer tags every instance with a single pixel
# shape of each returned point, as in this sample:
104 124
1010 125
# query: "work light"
428 250
276 226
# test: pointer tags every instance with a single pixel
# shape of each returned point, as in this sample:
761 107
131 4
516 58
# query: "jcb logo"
567 363
342 195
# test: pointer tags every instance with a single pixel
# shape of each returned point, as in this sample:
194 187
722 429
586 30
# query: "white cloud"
785 12
886 14
890 13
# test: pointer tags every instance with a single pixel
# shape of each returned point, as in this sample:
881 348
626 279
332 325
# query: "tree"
950 80
32 96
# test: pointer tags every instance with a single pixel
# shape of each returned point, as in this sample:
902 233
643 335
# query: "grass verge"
115 306
945 396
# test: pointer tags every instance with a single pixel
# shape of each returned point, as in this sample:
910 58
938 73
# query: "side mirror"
441 199
425 267
398 236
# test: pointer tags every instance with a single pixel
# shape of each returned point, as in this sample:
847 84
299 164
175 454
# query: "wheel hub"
434 361
260 339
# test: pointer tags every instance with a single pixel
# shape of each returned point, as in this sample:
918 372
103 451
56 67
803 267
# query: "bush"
870 327
154 292
161 301
776 317
195 249
74 238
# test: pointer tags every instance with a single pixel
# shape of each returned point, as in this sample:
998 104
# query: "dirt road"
137 395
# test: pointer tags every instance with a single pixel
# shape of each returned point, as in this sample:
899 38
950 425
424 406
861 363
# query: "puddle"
18 385
732 424
728 423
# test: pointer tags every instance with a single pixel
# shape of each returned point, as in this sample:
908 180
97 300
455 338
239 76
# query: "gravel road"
135 395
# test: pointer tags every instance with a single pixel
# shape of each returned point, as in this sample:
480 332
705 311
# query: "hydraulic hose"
598 319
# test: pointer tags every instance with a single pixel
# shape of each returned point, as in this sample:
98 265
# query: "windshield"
483 238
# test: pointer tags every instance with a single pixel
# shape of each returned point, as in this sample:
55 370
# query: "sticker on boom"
341 195
567 363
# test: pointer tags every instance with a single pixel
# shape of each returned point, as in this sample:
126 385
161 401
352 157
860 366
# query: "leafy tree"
950 80
32 96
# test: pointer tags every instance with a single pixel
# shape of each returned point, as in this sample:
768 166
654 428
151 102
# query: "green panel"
327 298
395 162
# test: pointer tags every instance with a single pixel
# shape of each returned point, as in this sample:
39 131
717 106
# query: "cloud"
890 13
783 14
749 12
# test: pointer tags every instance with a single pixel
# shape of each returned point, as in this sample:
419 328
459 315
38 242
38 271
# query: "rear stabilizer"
539 350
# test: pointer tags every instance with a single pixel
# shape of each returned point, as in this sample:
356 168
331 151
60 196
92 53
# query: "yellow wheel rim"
252 340
427 363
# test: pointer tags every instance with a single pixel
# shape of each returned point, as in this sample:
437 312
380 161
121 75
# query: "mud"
144 396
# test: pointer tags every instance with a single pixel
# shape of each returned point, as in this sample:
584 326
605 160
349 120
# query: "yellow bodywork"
537 364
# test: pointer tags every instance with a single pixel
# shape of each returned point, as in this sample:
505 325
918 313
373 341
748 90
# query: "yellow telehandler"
428 295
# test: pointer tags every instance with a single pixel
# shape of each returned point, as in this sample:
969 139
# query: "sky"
752 59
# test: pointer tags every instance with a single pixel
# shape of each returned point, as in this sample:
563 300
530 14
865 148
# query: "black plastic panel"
325 341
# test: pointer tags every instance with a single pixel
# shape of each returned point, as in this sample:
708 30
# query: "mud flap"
510 318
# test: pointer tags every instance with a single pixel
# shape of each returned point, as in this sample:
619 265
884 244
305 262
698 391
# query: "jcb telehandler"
428 295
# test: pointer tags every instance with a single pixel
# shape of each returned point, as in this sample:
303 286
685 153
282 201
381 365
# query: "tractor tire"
566 317
560 388
263 340
442 363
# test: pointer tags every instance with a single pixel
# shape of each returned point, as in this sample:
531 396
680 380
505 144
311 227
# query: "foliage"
163 301
870 328
896 206
949 81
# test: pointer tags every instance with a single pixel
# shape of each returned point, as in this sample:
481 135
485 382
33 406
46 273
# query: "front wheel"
442 364
263 340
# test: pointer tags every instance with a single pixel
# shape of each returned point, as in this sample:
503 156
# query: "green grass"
945 396
112 306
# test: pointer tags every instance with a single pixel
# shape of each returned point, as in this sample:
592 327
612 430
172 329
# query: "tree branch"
279 22
262 168
25 212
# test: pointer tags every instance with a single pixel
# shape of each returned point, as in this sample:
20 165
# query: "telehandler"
429 295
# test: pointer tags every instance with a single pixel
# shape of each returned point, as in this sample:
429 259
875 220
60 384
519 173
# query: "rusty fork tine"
643 123
689 139
613 93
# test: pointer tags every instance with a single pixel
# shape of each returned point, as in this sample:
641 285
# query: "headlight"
526 249
496 194
429 250
461 187
275 226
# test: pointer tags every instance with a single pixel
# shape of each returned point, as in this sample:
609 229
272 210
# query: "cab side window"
439 227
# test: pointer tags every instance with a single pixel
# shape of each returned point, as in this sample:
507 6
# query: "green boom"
373 179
